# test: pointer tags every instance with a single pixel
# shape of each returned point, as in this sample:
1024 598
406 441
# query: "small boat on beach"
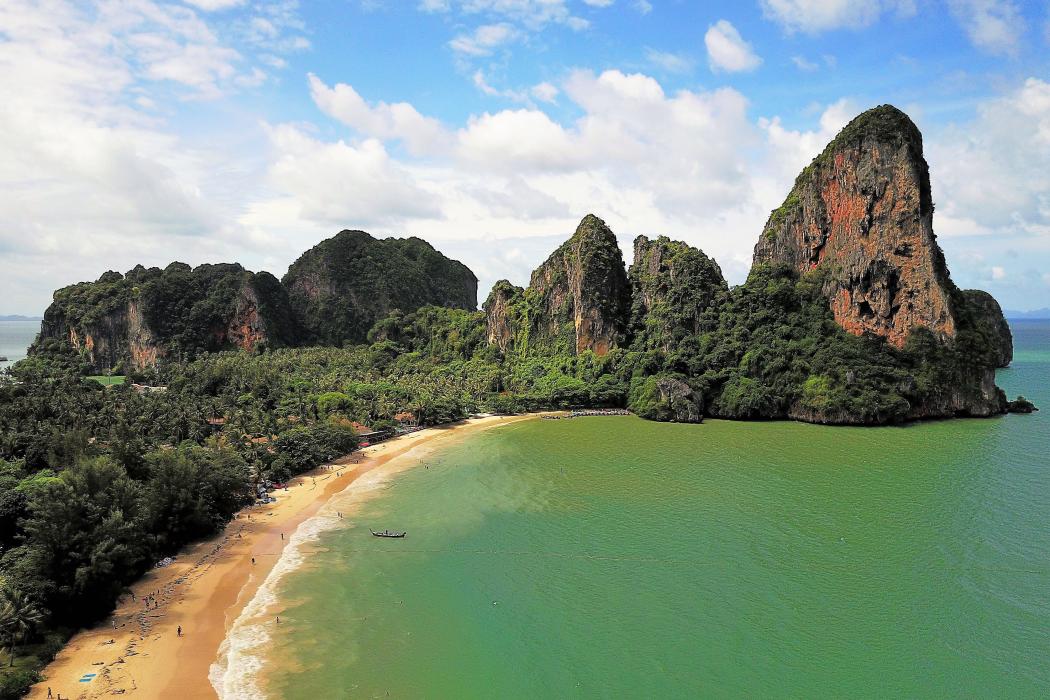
386 533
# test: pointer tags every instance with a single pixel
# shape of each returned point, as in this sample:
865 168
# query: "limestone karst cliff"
672 286
578 300
130 321
862 214
848 315
343 285
333 294
503 314
581 293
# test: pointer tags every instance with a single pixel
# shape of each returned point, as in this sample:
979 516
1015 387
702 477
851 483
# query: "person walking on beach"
253 561
179 631
49 691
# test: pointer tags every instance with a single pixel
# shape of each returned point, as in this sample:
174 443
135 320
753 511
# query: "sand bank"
137 649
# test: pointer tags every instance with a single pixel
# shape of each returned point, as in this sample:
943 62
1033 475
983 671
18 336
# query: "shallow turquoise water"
612 557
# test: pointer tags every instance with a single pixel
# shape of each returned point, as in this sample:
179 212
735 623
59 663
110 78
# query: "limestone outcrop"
581 294
861 214
343 285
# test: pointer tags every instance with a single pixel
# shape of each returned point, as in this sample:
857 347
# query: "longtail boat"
386 533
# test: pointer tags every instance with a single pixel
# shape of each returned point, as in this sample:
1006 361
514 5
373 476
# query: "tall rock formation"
582 290
343 285
862 215
503 314
672 286
577 300
987 320
859 221
125 322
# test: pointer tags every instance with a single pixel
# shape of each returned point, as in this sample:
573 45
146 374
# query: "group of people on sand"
150 601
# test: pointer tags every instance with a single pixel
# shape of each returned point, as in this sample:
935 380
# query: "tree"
19 615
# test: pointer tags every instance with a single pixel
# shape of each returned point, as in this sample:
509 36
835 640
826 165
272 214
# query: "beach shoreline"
138 650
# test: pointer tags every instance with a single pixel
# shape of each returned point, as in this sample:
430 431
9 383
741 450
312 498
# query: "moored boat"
387 533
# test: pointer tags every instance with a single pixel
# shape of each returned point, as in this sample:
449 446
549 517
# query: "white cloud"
533 14
484 39
814 16
382 120
792 150
668 61
995 26
804 64
997 182
213 5
998 272
727 50
93 177
646 161
643 6
599 3
544 92
336 183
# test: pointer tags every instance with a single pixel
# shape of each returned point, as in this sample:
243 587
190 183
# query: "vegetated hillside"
343 285
124 322
333 294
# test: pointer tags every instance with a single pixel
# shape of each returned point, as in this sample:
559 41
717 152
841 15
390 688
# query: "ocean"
15 339
612 557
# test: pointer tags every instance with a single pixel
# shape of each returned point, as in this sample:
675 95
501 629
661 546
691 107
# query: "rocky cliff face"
580 296
116 338
502 314
988 321
859 222
342 286
126 322
672 286
861 213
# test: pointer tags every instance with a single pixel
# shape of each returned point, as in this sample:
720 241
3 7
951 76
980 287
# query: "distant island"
1034 315
16 317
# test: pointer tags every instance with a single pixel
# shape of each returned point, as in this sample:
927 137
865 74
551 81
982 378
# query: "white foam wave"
235 673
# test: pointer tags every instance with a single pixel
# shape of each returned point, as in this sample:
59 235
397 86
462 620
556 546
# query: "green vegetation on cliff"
120 322
343 285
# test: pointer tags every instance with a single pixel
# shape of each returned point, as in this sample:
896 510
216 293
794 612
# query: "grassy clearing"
106 380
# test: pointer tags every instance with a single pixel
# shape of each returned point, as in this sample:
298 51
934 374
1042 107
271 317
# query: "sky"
146 131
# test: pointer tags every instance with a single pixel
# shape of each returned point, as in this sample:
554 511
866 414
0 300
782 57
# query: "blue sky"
224 130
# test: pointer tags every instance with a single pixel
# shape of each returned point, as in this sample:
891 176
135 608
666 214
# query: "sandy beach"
137 650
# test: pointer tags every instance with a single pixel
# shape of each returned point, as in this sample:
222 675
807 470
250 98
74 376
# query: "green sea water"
618 558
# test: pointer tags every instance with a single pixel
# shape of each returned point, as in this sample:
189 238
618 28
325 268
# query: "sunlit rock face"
861 214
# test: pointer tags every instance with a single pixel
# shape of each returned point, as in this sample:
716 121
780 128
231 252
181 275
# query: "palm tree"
19 615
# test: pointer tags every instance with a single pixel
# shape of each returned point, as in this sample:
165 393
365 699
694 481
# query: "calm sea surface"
613 558
15 339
